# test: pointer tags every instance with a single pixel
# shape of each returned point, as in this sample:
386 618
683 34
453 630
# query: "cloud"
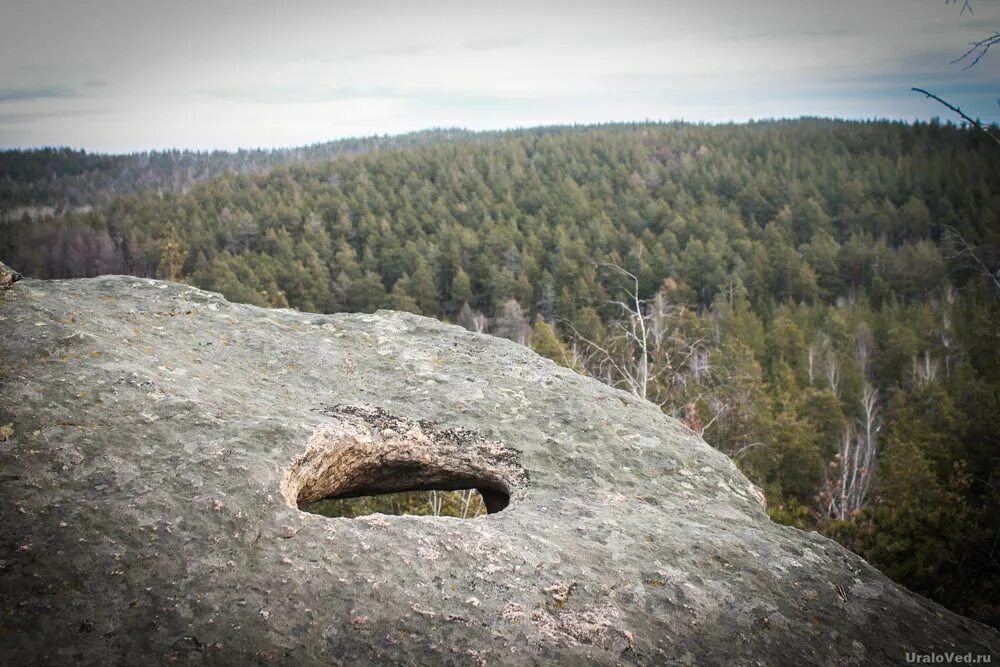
25 117
491 44
790 34
312 70
35 93
297 94
408 50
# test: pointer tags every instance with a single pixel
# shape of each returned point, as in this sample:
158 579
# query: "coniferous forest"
819 299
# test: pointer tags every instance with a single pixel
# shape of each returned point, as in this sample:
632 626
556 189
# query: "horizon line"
935 119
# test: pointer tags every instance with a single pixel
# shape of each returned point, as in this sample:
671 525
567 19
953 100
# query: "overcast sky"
116 75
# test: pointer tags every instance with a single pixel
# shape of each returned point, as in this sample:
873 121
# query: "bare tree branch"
713 419
966 248
974 123
746 448
977 50
966 6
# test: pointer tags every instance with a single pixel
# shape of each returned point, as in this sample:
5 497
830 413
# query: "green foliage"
795 459
466 504
547 343
793 264
792 512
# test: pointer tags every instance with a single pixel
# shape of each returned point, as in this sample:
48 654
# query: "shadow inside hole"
368 461
462 504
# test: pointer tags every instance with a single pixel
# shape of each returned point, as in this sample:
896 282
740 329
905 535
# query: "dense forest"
56 180
819 299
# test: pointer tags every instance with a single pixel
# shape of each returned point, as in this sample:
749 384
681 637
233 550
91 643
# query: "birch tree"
846 490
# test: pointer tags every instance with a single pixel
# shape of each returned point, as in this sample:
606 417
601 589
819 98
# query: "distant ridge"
55 180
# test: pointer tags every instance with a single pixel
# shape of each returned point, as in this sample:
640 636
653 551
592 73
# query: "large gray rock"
162 437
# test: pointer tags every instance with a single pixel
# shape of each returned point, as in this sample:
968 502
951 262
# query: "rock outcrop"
159 439
8 276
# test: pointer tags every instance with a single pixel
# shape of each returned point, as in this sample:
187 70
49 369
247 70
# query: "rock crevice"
367 451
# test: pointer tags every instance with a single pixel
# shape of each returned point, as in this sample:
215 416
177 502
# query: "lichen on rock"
8 276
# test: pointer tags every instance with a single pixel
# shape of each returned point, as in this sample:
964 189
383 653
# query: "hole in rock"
463 504
368 461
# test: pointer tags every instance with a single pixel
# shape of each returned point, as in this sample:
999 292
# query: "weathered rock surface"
8 276
162 437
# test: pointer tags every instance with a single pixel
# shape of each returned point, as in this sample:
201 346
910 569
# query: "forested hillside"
56 180
819 299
